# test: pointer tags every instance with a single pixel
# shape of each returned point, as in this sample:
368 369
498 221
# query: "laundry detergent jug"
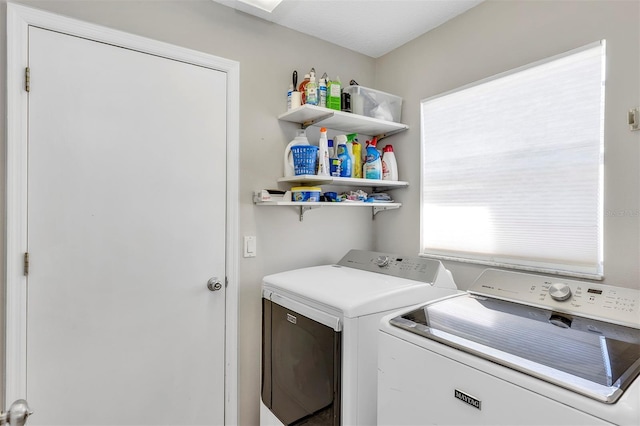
300 139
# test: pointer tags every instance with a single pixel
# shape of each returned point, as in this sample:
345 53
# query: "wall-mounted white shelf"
310 115
305 206
342 181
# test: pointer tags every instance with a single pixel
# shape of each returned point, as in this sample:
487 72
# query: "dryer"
515 349
320 324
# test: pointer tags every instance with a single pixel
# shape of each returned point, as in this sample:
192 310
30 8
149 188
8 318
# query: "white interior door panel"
126 224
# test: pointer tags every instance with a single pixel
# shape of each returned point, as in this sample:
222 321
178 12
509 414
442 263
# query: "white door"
126 225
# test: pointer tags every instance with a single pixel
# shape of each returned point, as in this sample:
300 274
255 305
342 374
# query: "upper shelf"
309 115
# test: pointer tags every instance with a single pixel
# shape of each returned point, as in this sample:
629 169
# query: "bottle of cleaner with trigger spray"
323 153
357 163
372 168
350 139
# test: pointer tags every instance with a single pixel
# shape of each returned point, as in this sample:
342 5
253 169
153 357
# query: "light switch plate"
634 119
249 246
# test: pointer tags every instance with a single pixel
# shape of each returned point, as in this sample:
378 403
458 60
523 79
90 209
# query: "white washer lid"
351 292
594 358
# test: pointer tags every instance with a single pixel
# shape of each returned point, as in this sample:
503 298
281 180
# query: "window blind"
512 168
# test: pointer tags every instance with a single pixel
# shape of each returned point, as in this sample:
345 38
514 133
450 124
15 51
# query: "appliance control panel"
412 268
598 301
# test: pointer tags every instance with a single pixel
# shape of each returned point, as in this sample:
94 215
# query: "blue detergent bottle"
372 168
345 160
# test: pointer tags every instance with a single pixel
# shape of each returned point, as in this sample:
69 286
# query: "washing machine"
319 334
517 348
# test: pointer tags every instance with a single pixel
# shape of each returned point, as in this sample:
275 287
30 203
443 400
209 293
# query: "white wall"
497 36
493 37
267 54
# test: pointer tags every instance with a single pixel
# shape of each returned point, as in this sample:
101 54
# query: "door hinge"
27 79
26 263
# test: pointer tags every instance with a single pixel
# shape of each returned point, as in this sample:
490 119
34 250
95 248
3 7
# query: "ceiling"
370 27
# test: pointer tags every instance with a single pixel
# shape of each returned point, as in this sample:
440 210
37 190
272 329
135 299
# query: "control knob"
560 291
382 261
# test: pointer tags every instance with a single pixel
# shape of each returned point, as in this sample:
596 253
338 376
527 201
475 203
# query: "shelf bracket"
376 209
304 209
311 122
389 133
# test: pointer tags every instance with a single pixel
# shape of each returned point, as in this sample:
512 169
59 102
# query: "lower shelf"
306 206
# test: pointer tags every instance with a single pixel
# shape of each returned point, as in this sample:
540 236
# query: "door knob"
17 414
214 284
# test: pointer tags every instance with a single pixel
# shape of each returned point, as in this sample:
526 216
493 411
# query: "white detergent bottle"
322 93
323 153
300 139
389 164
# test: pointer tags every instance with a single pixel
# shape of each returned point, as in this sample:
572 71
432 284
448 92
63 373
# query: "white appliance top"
581 336
364 282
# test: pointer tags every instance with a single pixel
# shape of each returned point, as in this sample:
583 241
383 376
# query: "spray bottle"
350 139
372 168
312 90
345 160
323 153
357 163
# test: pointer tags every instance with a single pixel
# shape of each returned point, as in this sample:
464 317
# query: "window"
512 168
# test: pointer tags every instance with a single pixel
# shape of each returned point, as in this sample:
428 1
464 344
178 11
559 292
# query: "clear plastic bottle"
389 164
302 86
312 91
322 93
